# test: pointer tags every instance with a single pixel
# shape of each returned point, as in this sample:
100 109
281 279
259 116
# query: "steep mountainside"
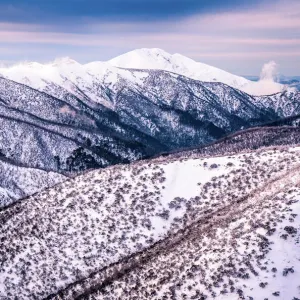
250 139
52 130
285 104
185 227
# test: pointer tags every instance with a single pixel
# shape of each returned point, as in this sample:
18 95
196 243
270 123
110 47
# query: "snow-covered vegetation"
183 226
249 250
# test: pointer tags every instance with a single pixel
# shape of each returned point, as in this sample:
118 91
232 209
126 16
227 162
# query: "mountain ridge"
139 59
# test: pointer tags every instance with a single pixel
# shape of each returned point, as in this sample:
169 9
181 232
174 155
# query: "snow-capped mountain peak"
177 63
143 59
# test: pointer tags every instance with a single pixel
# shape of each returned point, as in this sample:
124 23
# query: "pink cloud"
248 54
277 15
139 40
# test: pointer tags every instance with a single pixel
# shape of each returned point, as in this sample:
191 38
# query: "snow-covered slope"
182 227
177 63
18 182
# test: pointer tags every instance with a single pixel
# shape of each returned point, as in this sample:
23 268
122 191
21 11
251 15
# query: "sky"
236 35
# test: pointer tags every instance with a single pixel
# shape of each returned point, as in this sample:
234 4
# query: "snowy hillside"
181 227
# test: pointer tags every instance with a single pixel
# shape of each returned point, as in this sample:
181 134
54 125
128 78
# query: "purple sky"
233 35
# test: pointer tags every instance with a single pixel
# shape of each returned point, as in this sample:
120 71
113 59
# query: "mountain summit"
177 63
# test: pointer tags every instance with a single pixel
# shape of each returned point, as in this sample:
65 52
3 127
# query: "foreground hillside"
249 250
182 227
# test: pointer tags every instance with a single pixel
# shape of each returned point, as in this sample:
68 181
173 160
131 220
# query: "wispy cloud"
275 16
134 39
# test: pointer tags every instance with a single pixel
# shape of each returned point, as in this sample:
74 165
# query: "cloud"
220 36
70 10
269 71
135 39
278 15
267 83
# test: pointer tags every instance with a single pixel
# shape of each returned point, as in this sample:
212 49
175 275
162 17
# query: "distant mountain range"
66 72
66 117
